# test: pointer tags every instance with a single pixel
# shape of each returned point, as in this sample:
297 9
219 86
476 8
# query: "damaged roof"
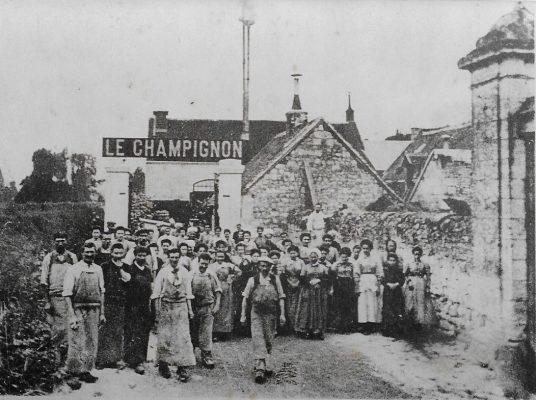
418 151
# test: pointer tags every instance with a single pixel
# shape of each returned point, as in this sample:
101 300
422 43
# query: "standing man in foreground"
53 270
83 290
263 291
173 291
138 311
116 276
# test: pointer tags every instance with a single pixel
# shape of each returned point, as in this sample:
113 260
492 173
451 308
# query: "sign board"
166 149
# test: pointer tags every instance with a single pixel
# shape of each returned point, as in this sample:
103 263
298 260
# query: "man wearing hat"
263 292
53 270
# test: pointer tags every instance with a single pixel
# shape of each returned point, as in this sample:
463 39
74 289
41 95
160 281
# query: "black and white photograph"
267 199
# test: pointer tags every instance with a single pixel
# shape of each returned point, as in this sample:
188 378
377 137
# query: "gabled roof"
459 155
418 150
283 143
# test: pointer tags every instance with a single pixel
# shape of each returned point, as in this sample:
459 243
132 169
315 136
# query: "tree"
137 181
47 181
83 170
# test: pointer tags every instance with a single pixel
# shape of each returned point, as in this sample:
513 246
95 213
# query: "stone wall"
282 196
467 297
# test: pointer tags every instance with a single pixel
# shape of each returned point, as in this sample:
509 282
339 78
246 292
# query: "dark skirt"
393 311
111 334
311 313
344 303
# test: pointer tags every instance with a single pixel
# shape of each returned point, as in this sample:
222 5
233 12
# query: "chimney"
160 123
296 117
415 133
446 141
350 111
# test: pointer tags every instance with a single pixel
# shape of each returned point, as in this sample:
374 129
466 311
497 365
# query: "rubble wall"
466 297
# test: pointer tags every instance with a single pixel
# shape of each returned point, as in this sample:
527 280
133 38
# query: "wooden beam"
310 182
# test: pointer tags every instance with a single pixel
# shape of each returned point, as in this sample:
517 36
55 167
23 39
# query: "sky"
70 76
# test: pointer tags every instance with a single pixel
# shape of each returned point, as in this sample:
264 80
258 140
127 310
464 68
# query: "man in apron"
173 290
263 291
54 267
83 290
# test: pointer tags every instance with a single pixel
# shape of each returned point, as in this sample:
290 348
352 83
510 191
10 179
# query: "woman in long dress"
311 314
368 274
226 272
344 293
393 299
290 279
417 290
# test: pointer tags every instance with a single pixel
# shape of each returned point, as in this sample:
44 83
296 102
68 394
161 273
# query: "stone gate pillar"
230 192
116 195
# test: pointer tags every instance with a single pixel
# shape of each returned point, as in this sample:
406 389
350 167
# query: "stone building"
308 163
502 90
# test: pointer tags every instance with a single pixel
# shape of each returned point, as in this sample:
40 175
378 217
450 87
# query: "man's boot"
184 374
207 360
163 369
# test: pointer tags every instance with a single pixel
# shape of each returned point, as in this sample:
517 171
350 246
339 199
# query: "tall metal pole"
246 29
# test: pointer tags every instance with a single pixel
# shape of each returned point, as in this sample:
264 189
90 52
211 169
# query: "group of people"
194 285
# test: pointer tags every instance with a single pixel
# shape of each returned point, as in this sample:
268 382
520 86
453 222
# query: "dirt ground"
425 366
319 369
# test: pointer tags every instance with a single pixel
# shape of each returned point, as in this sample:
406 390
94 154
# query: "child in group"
263 291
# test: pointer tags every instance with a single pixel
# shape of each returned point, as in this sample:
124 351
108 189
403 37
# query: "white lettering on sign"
136 147
161 151
149 148
225 149
167 149
108 153
175 148
186 145
237 149
203 148
119 149
215 149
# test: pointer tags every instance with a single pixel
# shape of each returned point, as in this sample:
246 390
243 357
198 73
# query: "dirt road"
313 369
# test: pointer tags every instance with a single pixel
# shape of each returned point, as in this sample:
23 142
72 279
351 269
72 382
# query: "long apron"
263 317
83 341
367 304
174 342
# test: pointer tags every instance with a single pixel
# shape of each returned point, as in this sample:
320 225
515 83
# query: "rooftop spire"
296 104
350 111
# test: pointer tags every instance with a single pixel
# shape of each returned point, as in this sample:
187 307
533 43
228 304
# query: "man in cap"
53 270
83 290
263 292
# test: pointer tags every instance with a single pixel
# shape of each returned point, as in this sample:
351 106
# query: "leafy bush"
26 354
